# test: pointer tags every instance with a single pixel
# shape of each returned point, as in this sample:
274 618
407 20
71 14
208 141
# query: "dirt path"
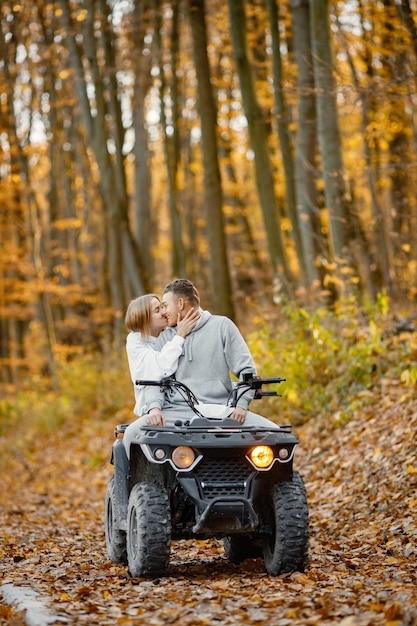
361 481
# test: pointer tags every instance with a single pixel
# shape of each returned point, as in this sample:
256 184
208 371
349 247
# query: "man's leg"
253 419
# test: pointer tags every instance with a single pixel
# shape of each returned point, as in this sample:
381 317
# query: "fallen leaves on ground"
361 481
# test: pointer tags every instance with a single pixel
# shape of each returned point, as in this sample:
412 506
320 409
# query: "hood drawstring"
190 347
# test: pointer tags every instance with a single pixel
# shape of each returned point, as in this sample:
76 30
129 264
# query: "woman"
145 319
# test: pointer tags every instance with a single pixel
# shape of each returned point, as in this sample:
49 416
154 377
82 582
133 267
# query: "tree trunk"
283 122
144 227
329 135
306 140
219 264
171 141
258 135
380 262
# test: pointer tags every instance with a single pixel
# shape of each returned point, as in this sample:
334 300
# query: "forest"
266 150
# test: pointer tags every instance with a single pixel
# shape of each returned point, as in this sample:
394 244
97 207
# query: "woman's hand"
155 417
187 323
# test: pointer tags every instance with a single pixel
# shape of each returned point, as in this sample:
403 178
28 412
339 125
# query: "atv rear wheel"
115 538
237 548
285 547
148 530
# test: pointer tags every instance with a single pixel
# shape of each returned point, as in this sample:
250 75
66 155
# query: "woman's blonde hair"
138 314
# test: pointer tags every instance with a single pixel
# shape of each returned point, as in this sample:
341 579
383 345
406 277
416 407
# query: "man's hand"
187 323
155 417
239 414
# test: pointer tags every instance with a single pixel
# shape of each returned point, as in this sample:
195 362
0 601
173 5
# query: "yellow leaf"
411 469
82 15
393 613
256 598
64 597
292 397
64 74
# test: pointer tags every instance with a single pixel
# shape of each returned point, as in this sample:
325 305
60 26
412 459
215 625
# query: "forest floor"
361 480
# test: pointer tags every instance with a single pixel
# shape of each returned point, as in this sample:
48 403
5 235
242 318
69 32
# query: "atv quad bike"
207 477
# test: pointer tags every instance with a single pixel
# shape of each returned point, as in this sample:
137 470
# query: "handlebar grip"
154 383
267 381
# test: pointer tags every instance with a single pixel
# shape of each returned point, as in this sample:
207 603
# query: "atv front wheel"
115 538
285 546
148 530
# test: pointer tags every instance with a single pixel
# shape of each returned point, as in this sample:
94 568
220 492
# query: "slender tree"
329 134
306 141
170 132
283 121
219 263
143 226
258 133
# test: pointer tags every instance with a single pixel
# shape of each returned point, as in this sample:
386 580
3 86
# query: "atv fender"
121 478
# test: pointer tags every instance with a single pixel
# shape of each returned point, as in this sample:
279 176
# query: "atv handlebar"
153 383
249 382
255 382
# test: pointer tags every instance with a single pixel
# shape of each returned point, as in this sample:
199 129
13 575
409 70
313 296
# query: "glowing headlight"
183 457
261 456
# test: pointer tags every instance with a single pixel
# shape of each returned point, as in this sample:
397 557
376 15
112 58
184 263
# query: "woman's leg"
131 432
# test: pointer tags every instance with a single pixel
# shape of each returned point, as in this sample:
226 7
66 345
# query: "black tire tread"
148 550
289 549
115 538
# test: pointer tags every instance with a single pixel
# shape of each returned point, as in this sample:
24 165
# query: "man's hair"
183 288
138 314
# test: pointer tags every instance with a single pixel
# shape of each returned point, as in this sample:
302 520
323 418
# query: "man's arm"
240 362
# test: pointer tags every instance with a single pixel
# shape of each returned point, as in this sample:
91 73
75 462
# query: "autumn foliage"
264 150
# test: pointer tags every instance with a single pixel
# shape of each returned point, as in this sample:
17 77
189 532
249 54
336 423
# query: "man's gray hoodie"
212 350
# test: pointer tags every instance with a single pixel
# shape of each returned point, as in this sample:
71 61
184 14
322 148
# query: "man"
212 350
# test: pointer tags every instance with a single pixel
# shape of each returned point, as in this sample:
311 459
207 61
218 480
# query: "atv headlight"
261 456
183 457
